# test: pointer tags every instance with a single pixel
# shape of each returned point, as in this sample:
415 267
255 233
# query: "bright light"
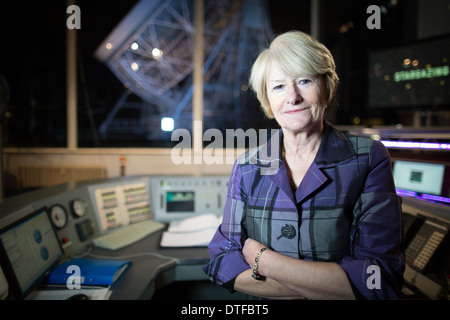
134 66
157 53
134 46
167 124
422 196
416 145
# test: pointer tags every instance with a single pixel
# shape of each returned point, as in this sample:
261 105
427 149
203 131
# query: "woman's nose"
293 97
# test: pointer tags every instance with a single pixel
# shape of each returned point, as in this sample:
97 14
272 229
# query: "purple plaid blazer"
345 211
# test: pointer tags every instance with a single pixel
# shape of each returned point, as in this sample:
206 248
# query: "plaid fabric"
345 210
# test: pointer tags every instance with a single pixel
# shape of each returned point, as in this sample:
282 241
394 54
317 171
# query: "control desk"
81 212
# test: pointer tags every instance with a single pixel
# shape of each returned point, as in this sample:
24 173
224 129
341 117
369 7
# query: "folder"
87 271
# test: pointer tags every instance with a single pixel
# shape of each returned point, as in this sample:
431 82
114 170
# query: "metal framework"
151 52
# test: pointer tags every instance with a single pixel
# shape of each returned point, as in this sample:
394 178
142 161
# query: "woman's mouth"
296 111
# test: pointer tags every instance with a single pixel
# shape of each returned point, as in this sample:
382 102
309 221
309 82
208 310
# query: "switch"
84 230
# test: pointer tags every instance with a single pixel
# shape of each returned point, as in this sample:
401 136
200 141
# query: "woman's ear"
332 94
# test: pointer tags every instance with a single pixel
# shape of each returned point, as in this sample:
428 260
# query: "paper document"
195 231
64 294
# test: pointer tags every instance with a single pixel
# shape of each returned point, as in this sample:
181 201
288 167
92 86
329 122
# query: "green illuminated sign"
418 74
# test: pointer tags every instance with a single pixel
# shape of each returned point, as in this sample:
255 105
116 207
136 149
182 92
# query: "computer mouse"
79 296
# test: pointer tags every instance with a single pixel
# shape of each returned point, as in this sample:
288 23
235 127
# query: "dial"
58 215
78 207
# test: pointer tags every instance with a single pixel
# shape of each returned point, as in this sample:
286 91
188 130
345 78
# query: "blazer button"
288 231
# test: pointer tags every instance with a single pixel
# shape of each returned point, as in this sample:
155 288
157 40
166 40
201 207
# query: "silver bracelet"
255 274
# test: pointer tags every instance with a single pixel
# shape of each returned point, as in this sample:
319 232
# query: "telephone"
424 237
3 285
412 224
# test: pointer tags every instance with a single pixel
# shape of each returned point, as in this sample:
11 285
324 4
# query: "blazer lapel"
312 181
335 149
281 179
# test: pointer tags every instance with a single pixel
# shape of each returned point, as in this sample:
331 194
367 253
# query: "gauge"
78 207
58 215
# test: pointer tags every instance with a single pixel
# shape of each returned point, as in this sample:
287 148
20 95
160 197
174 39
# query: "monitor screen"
180 201
420 177
414 76
30 249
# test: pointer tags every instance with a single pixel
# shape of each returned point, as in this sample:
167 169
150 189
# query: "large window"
114 112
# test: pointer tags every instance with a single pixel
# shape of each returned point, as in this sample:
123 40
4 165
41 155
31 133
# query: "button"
288 231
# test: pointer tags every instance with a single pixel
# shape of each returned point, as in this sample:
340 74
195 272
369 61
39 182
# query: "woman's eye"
303 82
278 87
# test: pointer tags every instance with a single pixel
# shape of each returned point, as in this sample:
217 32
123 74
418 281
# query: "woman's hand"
288 277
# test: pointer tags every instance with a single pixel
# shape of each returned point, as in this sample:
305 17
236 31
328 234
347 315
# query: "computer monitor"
29 249
420 177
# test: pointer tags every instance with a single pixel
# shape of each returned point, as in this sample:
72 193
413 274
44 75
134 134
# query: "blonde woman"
327 224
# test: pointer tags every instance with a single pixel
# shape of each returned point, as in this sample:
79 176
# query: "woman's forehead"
276 73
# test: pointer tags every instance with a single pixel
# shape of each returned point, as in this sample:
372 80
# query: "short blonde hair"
298 54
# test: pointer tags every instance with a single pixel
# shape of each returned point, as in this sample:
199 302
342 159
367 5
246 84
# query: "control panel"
71 212
181 197
84 210
121 203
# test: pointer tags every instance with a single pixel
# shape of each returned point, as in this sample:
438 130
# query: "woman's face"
297 104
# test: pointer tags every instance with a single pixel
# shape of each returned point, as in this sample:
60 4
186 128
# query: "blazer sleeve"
225 249
376 265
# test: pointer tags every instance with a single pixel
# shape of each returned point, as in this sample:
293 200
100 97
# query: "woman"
327 223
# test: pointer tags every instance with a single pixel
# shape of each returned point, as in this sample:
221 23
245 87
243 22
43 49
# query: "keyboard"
127 235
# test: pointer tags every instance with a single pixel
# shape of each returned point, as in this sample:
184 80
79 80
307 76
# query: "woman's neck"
299 151
303 144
